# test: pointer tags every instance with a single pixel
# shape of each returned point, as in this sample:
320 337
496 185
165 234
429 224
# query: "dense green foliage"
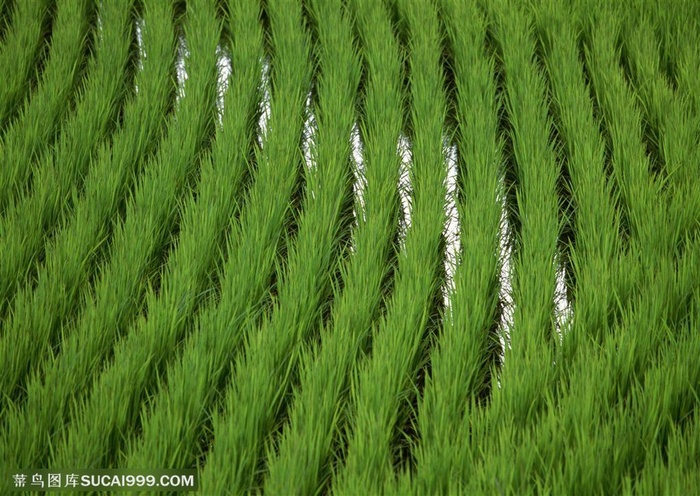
249 271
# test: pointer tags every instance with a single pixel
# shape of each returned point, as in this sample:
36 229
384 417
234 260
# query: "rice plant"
320 246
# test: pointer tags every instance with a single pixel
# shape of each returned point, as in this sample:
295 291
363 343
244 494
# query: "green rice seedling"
102 419
596 230
656 219
5 7
382 382
460 364
28 136
669 26
71 260
301 462
582 404
630 130
263 372
19 53
676 31
674 467
22 231
177 294
665 397
254 241
689 64
591 409
654 226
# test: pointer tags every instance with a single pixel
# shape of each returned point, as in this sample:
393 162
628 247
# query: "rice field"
353 246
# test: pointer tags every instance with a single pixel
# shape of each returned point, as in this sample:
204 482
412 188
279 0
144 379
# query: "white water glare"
265 103
506 280
452 224
223 66
405 187
182 54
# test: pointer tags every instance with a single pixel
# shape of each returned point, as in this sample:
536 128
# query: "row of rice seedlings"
70 261
557 436
675 130
674 28
173 423
22 231
509 223
382 383
29 136
576 448
103 419
178 418
265 367
301 461
20 52
664 398
654 224
673 468
460 364
528 371
668 30
642 349
644 224
596 221
665 297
